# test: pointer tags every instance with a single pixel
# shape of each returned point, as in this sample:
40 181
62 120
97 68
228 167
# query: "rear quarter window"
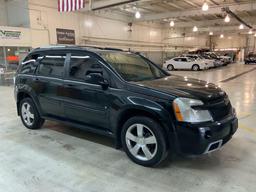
28 66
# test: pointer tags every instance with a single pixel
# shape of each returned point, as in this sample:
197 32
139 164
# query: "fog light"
205 132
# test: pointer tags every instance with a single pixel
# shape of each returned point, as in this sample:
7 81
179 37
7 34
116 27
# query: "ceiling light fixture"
137 15
241 26
195 29
255 35
211 33
172 23
227 19
205 6
221 36
250 32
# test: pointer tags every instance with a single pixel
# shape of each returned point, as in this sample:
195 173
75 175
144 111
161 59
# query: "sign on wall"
65 36
7 34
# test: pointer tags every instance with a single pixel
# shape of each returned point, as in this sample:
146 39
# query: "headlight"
185 113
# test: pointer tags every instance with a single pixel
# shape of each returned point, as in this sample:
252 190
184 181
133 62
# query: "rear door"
85 101
186 64
49 82
176 63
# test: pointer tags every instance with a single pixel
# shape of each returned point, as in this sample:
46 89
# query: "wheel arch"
24 94
139 111
195 64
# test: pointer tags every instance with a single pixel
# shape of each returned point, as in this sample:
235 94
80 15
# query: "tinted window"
184 59
28 66
133 67
82 65
52 65
177 59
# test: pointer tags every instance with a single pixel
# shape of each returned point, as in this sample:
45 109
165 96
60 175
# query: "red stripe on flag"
63 6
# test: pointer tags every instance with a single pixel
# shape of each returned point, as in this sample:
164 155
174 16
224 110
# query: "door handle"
36 79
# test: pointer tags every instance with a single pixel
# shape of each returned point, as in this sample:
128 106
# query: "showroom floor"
57 158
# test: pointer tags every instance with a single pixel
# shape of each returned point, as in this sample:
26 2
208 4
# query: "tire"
195 67
29 114
143 141
170 67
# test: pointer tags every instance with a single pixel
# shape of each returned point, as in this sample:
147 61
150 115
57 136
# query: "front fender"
141 106
133 103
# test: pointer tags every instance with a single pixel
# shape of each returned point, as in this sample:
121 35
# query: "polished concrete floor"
58 158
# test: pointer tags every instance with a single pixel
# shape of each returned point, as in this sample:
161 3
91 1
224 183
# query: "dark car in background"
250 59
147 111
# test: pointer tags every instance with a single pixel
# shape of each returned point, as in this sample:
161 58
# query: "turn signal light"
177 112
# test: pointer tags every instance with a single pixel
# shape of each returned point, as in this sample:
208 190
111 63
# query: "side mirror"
97 78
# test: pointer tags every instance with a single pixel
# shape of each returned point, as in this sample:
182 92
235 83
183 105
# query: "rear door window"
52 65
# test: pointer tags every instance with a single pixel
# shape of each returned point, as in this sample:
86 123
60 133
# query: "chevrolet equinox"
147 111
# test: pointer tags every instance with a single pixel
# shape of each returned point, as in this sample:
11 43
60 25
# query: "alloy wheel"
27 114
141 142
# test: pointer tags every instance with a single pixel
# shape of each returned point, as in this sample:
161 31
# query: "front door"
85 101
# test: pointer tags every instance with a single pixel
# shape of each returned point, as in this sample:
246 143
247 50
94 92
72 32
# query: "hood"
185 87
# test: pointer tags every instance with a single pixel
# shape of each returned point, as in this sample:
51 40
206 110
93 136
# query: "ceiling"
185 13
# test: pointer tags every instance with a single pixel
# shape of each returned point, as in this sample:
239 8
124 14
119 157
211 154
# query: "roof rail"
54 46
81 46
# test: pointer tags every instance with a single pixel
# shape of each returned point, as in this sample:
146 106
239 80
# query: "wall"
230 41
184 38
17 13
107 29
28 38
3 14
92 29
14 13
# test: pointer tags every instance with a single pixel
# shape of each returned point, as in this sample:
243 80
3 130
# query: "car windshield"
133 67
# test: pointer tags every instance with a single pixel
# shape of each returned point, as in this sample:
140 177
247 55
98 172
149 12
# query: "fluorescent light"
241 26
205 6
195 29
255 35
221 36
210 33
137 15
227 19
250 32
172 23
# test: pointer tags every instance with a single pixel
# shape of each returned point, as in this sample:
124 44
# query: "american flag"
70 5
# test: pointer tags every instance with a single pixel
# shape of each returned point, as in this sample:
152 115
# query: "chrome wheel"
27 115
141 142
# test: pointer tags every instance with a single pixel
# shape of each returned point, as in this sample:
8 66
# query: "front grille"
219 108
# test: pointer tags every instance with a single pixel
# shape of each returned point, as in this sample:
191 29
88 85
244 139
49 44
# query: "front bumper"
196 139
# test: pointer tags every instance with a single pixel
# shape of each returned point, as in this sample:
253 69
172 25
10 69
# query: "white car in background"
184 63
2 69
209 62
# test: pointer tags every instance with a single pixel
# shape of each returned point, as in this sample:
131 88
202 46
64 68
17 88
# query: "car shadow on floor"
202 162
79 133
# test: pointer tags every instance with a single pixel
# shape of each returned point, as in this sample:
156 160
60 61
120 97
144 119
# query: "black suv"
147 111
